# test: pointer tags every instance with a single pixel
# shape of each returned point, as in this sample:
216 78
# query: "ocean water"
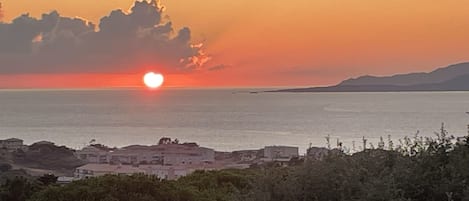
225 119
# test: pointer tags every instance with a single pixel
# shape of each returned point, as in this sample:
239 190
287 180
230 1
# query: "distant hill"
451 78
436 76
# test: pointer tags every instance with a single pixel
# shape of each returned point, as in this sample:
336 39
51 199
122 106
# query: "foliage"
420 169
18 189
47 156
4 167
206 186
48 179
415 169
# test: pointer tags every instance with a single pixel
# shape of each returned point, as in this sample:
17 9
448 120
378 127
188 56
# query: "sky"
221 43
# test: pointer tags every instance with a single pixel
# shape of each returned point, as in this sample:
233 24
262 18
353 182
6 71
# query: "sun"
153 80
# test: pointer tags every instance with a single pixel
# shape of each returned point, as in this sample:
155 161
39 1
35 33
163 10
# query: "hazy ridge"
451 78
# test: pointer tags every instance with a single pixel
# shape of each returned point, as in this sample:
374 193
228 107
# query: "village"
168 159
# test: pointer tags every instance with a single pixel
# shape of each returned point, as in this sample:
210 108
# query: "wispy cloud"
219 67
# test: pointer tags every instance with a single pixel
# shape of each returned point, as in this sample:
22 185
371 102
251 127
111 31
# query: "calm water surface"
225 119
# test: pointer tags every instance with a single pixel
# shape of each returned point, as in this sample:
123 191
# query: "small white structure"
280 153
65 180
11 144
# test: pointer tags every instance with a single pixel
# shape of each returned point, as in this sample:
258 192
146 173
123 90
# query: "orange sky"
287 43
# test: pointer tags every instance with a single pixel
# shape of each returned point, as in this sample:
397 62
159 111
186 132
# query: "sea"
226 119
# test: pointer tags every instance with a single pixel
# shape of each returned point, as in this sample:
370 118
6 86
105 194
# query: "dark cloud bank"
122 42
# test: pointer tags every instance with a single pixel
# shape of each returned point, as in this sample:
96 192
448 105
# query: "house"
280 153
93 154
11 144
247 155
184 154
95 170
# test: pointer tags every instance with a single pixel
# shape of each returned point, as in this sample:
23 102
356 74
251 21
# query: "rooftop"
275 146
12 140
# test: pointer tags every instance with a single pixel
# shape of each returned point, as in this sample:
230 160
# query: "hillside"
43 158
436 76
451 78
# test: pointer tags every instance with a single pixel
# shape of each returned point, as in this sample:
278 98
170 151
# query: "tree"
18 189
48 179
4 167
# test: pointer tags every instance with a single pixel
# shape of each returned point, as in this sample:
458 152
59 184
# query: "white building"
162 154
11 144
93 154
280 153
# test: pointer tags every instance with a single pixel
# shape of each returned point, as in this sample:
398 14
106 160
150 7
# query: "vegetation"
47 156
416 169
224 185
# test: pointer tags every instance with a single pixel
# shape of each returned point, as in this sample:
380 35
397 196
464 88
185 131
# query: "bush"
4 167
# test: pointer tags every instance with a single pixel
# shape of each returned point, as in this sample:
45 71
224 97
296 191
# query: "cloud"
218 67
122 42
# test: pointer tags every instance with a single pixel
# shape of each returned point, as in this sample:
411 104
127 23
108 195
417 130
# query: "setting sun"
153 80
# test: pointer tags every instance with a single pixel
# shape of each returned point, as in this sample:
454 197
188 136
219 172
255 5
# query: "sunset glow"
262 43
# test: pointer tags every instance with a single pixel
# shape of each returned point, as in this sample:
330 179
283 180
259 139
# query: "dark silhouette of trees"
48 179
18 189
4 167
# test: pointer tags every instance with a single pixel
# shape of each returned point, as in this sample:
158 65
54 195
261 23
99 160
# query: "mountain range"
450 78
